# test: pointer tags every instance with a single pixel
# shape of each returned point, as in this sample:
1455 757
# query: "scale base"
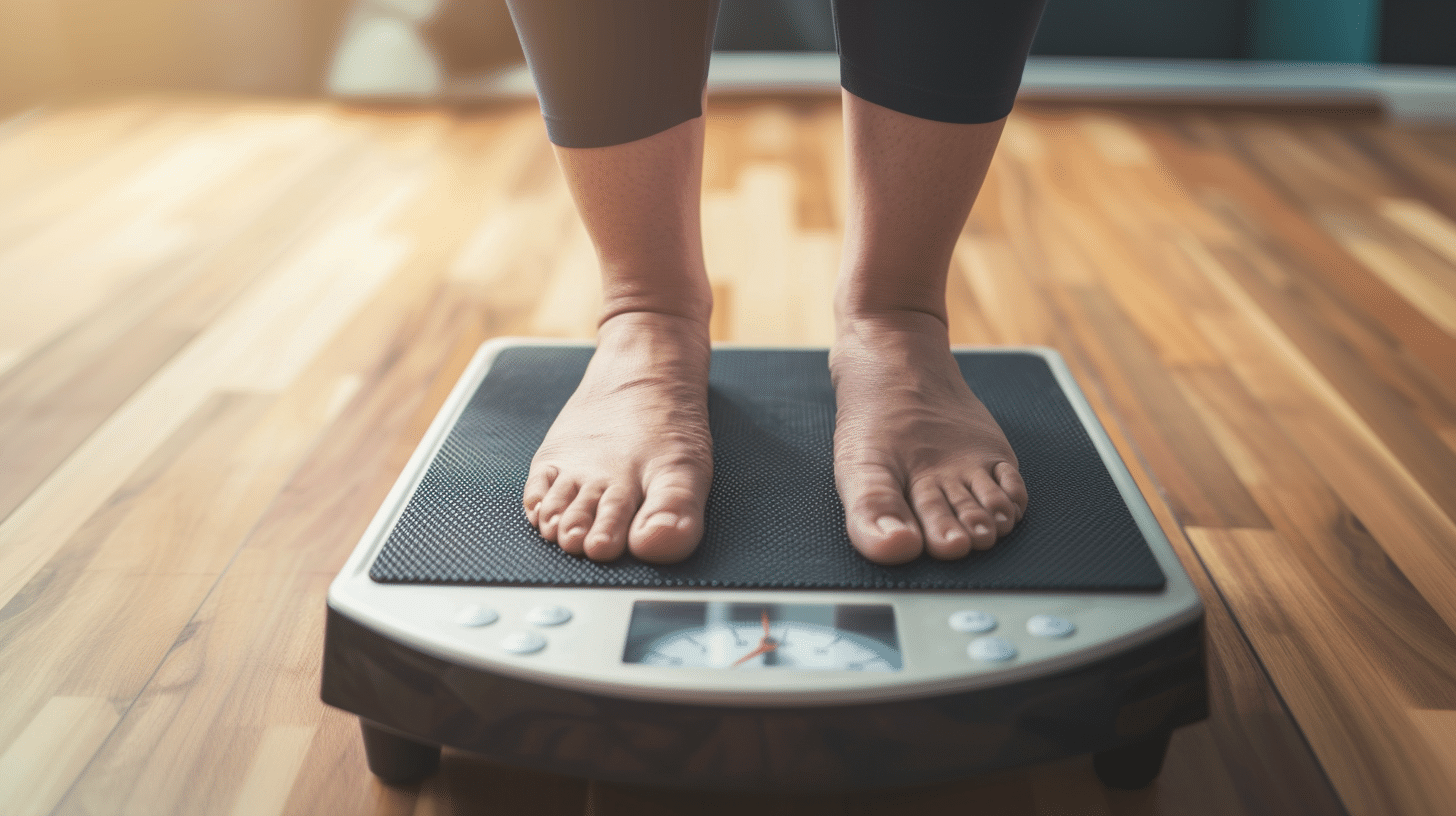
1121 708
424 637
398 760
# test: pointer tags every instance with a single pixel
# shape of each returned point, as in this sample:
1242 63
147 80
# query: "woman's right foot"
628 462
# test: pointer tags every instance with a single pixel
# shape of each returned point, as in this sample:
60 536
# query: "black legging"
614 71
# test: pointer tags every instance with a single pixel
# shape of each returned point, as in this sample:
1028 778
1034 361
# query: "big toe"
669 524
880 522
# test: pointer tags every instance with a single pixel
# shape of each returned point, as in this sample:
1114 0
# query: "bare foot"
919 462
628 461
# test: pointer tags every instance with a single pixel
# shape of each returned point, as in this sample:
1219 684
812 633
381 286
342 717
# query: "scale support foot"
1134 765
398 760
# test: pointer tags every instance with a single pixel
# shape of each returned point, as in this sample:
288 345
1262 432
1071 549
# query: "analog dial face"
771 644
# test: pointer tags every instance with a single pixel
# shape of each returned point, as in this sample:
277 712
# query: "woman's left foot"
920 464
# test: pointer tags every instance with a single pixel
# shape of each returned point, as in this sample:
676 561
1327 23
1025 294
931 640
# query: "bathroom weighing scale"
775 657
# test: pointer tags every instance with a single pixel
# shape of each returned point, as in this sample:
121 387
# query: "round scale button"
1049 626
523 642
473 615
972 620
991 649
548 615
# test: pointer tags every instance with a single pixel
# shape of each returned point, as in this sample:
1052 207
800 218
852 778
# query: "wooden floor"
224 325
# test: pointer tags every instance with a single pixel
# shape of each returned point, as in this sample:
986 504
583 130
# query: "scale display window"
756 636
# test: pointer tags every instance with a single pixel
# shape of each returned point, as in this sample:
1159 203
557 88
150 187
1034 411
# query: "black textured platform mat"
773 519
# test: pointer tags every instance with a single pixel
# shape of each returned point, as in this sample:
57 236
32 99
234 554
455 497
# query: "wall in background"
1315 30
285 46
97 46
1300 30
1418 32
1186 29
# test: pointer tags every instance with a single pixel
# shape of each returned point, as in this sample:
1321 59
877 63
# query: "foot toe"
1009 479
880 523
979 523
549 511
538 484
607 539
577 519
664 537
669 524
945 536
1003 510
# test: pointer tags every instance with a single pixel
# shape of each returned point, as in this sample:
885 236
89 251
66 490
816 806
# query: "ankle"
890 304
868 323
649 329
691 301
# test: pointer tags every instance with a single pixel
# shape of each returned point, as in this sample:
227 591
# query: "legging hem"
923 103
579 133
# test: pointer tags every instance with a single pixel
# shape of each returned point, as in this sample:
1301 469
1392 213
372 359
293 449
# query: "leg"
629 459
627 463
395 759
919 462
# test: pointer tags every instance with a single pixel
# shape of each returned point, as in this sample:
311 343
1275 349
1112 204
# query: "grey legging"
614 71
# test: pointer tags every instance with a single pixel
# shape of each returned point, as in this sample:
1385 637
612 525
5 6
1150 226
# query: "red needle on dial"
764 646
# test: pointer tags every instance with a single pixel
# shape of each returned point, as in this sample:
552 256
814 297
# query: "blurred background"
463 48
247 245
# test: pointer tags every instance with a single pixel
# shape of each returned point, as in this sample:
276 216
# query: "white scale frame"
585 653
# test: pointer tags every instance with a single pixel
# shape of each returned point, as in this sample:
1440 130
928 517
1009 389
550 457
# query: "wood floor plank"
761 277
813 270
966 322
1412 528
249 660
1421 159
571 305
38 766
1377 602
328 779
284 291
1374 768
62 392
119 622
1205 491
1439 729
1379 402
259 342
43 145
1112 237
1424 224
270 777
1260 217
68 175
1002 301
1421 285
1035 227
1249 730
817 207
1308 166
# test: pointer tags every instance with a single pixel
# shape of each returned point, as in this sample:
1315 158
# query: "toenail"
663 519
552 520
575 531
954 535
1001 518
890 524
982 529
